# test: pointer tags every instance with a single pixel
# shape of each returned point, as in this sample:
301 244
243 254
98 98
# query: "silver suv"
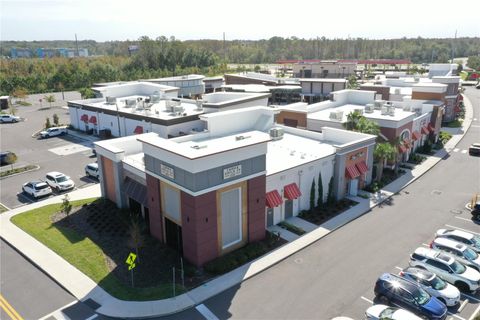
59 182
467 238
446 267
460 251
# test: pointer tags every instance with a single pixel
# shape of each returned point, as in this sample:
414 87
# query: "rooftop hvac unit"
333 115
276 133
178 109
397 90
359 111
378 104
199 104
155 97
384 110
417 110
406 107
369 108
339 115
391 110
130 103
111 100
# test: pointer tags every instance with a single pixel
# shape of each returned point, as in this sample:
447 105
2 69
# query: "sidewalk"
83 288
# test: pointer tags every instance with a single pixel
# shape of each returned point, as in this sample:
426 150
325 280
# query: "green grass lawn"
83 253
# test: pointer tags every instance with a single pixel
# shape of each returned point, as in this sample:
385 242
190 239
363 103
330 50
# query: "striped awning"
273 199
138 130
93 120
402 148
362 167
136 191
84 118
352 172
291 191
424 130
431 128
416 135
457 109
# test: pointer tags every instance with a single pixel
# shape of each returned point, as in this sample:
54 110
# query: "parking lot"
67 154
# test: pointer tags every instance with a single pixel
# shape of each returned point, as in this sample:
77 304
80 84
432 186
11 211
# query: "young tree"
352 120
136 238
330 194
20 93
312 195
47 123
383 151
87 93
50 99
66 206
320 191
55 119
352 82
11 158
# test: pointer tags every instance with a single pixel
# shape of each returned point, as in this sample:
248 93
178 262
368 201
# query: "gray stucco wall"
205 179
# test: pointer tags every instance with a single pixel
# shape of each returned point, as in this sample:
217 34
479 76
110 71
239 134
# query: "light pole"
118 120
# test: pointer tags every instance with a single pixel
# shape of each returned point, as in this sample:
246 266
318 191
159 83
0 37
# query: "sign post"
131 264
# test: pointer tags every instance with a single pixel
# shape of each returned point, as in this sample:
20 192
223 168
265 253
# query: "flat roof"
292 151
202 147
323 80
178 78
324 115
158 110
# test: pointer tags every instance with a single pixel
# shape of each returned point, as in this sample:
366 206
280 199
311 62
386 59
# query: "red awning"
362 167
416 135
273 199
352 172
424 130
431 128
84 118
457 109
93 120
291 191
138 130
402 148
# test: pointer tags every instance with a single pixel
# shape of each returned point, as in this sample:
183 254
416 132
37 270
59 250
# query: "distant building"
324 69
191 86
48 53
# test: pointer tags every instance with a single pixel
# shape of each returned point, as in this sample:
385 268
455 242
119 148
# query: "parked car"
434 285
467 238
59 182
394 290
447 268
474 149
53 132
460 251
91 170
9 118
36 189
4 157
383 312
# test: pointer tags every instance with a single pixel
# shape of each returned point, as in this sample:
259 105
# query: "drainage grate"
437 192
92 304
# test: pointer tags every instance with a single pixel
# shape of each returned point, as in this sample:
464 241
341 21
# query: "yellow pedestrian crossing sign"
131 260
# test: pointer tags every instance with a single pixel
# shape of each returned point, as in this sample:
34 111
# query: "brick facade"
154 206
288 118
256 208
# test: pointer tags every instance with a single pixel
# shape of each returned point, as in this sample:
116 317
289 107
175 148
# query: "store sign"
232 172
167 171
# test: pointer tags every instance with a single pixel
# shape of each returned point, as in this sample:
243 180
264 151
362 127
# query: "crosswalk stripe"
464 151
456 150
206 312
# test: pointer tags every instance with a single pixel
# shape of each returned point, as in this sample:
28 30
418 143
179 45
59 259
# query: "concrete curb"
84 288
19 173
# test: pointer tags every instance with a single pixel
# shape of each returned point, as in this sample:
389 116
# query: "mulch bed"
320 215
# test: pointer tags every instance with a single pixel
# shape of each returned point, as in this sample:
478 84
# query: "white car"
53 132
460 251
467 238
9 118
37 189
91 170
447 268
431 283
383 312
59 182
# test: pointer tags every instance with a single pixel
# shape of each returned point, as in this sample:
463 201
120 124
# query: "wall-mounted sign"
167 171
232 171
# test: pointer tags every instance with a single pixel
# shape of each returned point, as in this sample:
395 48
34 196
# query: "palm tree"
50 99
352 120
365 125
383 151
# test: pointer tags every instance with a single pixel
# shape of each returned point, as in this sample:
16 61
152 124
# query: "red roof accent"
362 167
416 135
84 118
138 130
352 172
431 128
291 191
273 199
369 61
459 97
457 109
93 120
424 130
402 148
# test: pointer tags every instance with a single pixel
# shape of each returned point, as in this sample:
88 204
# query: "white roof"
292 151
324 115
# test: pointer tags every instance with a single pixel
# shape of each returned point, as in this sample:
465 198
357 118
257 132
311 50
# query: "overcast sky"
104 20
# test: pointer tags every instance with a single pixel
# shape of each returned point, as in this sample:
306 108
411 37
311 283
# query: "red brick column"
256 208
154 207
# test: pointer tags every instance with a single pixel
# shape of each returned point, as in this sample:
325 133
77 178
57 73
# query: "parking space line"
92 317
204 311
426 245
368 300
57 314
470 297
466 230
475 313
456 150
464 151
455 316
463 305
401 269
462 218
8 209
